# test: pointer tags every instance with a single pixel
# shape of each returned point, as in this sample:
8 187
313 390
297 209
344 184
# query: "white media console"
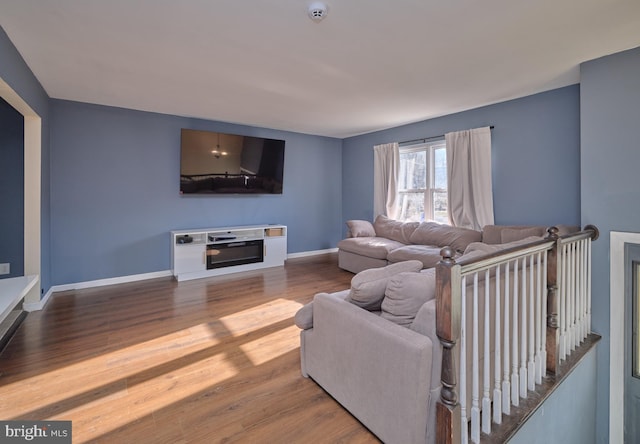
215 251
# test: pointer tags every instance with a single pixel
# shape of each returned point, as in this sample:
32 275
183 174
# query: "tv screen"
220 163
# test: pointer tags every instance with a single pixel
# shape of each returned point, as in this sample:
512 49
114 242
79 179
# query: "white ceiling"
369 65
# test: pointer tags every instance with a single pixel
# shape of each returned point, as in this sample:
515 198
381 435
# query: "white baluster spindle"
506 383
523 332
545 306
497 393
540 325
486 347
463 364
571 323
589 286
531 369
562 306
515 384
475 372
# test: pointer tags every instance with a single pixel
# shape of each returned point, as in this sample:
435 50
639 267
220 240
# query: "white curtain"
386 165
470 194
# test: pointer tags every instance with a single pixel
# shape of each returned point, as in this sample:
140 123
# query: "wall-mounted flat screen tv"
220 163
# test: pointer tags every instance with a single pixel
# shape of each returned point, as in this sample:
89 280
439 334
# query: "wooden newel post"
448 307
553 334
595 233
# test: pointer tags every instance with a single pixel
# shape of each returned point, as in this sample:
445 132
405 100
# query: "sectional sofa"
387 241
374 347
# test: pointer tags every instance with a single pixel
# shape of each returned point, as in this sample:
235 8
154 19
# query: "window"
422 182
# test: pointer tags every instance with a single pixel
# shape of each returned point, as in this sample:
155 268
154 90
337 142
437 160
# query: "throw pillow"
394 229
368 286
405 294
360 228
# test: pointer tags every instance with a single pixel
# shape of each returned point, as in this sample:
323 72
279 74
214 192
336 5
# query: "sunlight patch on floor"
262 349
108 374
259 316
95 389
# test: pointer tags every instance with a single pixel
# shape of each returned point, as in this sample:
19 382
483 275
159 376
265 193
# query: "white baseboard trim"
97 283
311 253
133 278
112 281
38 305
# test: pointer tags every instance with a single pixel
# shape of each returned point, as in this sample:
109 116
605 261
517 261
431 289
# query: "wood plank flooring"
203 361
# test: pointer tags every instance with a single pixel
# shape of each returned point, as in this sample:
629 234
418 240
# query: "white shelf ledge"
12 290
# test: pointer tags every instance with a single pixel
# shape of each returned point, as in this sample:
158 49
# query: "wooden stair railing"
556 272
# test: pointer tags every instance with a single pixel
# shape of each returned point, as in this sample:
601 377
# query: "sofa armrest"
304 316
425 323
378 370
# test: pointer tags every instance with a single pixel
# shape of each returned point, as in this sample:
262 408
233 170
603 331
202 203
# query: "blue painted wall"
610 114
535 156
15 72
11 189
115 191
113 175
568 415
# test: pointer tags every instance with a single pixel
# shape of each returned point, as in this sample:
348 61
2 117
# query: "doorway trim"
618 239
32 187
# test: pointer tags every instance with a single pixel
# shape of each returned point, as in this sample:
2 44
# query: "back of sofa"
442 235
378 370
502 234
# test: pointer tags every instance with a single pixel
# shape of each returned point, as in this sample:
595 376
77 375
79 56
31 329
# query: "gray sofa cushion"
405 294
492 234
368 287
481 246
355 263
431 233
492 248
516 234
428 255
375 247
500 234
394 229
360 228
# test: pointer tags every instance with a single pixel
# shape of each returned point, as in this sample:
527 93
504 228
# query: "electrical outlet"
5 268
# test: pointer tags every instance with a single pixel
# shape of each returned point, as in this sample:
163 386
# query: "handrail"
590 231
556 271
473 264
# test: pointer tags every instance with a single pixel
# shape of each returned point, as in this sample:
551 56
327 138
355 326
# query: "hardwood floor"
209 360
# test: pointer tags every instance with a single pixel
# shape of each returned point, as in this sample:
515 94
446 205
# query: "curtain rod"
426 139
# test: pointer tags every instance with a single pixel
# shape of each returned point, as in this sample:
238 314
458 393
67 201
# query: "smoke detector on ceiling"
317 11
